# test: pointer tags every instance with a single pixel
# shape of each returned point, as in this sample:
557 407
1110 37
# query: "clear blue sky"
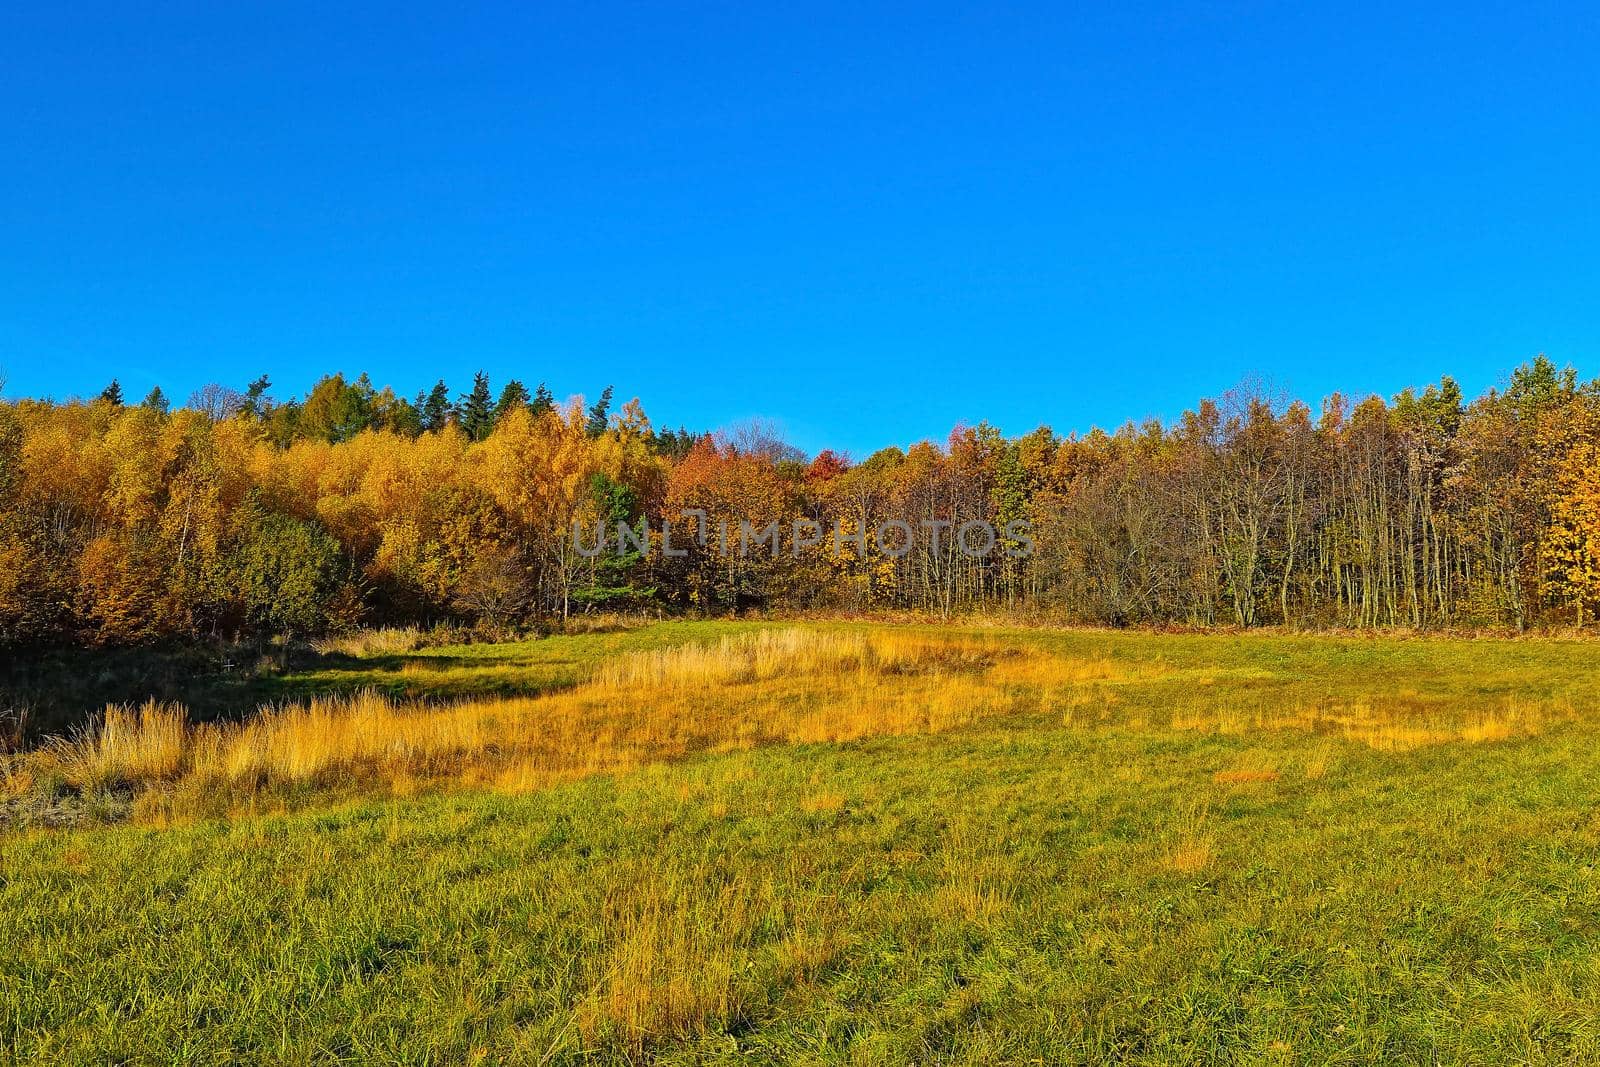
867 221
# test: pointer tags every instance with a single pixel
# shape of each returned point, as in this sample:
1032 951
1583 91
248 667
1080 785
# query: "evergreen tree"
600 414
512 397
435 408
675 444
156 401
543 402
256 400
112 394
611 574
476 412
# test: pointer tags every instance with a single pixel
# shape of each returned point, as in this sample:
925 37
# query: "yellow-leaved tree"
1570 548
536 466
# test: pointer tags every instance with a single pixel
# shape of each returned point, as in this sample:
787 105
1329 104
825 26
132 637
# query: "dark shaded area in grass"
51 693
64 689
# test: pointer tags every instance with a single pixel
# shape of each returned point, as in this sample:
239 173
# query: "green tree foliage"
284 573
600 414
156 401
512 397
434 408
675 444
336 410
613 577
475 413
256 400
283 423
112 394
395 413
543 402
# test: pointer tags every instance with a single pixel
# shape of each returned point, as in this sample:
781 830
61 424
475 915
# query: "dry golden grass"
1245 776
1399 724
670 943
979 875
771 686
669 958
825 802
130 744
793 685
1192 845
1190 856
1317 764
385 641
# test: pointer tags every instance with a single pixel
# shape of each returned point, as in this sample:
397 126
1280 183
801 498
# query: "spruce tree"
512 397
543 402
112 394
435 408
476 412
156 401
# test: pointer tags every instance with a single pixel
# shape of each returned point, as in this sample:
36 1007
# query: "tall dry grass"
796 685
746 690
129 744
388 640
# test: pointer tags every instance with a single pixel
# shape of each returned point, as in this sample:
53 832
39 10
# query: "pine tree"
435 408
543 402
600 414
156 401
476 412
512 397
112 394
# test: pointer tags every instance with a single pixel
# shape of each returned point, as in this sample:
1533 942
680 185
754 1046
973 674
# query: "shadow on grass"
52 693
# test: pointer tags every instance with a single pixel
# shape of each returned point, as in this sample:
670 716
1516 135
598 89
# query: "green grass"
448 672
1029 890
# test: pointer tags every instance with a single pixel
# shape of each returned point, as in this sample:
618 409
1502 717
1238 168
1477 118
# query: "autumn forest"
126 523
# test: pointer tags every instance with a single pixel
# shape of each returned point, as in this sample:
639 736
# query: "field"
861 843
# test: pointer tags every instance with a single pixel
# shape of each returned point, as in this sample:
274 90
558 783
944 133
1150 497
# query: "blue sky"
867 221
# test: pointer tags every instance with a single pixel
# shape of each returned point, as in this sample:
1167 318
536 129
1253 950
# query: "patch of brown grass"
669 959
773 686
1245 777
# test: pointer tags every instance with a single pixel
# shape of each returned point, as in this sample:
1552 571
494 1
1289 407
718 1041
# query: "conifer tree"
512 397
435 408
600 414
256 401
476 412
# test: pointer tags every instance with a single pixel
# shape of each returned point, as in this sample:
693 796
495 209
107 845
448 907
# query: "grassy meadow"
697 842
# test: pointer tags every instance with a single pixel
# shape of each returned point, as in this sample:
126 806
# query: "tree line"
236 515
